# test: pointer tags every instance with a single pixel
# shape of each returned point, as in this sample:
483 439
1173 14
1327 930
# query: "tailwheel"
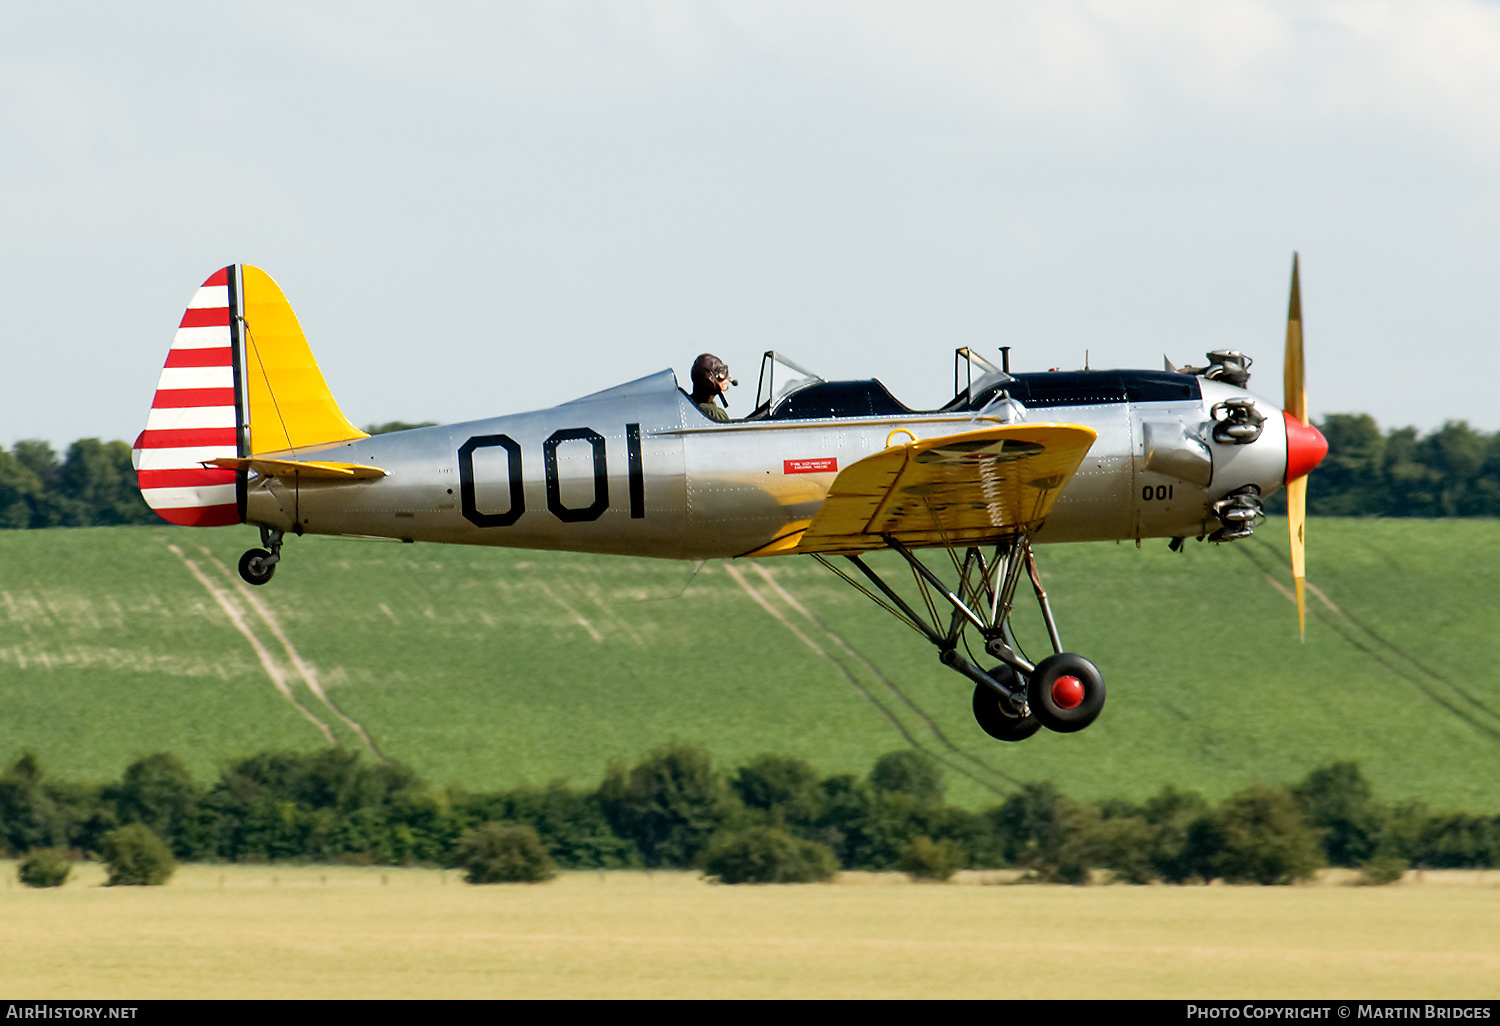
996 716
257 566
1066 692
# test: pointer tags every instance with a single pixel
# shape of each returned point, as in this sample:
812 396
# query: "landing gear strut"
257 566
1064 692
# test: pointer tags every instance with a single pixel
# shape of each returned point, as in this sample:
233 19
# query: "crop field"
488 668
342 932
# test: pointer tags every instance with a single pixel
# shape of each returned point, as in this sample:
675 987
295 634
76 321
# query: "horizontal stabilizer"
309 469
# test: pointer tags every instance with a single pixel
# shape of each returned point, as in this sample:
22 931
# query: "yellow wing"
962 489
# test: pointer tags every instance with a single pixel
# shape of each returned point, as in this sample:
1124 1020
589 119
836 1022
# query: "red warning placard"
821 465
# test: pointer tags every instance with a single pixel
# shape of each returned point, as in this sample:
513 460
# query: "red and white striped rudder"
195 416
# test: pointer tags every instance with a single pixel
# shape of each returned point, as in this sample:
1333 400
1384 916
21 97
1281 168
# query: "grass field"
492 667
339 932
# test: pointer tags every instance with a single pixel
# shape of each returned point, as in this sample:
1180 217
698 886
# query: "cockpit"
788 391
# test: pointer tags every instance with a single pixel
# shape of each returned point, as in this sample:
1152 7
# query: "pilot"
710 380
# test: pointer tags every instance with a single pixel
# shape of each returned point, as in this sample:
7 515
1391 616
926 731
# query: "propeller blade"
1295 392
1296 406
1296 515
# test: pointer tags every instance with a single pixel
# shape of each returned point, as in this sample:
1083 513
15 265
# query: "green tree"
670 805
768 855
45 867
788 791
1263 838
909 772
1382 870
48 506
1182 840
1340 804
94 484
98 485
1123 845
1457 840
423 826
1487 484
495 853
971 832
571 824
1415 489
158 791
1350 482
20 492
1455 454
1043 830
927 859
83 815
329 804
868 828
29 817
136 857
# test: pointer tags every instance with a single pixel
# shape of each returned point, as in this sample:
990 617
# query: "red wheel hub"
1067 692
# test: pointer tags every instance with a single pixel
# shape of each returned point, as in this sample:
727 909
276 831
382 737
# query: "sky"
481 208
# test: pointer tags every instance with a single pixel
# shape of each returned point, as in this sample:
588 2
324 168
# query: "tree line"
1452 472
93 484
774 819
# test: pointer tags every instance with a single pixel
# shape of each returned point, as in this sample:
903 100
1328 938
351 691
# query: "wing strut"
982 598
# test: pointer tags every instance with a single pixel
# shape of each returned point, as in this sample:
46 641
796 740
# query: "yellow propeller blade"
1294 374
1296 405
1296 514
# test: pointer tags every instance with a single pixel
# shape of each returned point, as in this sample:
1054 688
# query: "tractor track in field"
891 685
1364 638
229 601
304 669
948 754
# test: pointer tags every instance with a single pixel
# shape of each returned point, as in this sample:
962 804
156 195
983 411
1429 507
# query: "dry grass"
336 932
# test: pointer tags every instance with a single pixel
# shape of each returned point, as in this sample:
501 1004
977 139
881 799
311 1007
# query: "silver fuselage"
639 470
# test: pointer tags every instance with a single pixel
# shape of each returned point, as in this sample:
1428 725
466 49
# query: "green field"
341 932
488 668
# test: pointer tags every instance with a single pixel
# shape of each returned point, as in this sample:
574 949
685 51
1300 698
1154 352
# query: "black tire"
254 568
1045 705
994 715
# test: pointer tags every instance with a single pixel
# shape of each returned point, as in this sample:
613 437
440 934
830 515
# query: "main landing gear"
1013 700
257 566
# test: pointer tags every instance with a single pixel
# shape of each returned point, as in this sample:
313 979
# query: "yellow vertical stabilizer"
287 400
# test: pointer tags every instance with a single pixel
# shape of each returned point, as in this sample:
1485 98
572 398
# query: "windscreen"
780 377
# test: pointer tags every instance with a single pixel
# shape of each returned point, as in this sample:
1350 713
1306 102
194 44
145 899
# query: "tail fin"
289 404
239 381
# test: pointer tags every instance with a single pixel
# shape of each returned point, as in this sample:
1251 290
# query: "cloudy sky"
480 208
